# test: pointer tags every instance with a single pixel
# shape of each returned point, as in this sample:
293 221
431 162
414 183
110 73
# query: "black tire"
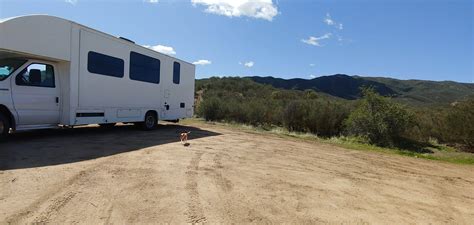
107 125
151 121
4 127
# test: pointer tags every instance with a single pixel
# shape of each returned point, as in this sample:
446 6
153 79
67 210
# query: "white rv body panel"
43 36
81 96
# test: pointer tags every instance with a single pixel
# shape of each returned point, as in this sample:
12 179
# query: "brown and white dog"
184 136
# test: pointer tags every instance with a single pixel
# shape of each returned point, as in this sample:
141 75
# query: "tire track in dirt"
109 214
224 183
232 209
53 209
446 203
195 212
55 206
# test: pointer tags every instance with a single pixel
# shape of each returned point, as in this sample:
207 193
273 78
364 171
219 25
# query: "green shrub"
378 119
294 116
323 118
211 109
460 123
375 118
326 118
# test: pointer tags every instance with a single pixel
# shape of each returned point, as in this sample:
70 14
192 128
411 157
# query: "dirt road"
123 175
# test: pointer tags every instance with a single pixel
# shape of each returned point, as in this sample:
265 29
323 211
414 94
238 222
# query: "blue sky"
405 39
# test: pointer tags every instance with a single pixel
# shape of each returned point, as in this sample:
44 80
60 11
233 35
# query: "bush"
244 101
295 116
460 123
326 118
378 119
211 109
322 118
430 123
453 124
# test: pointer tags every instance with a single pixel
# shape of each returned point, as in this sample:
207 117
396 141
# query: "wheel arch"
5 111
154 112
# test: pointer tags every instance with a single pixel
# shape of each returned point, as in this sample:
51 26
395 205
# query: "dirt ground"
124 175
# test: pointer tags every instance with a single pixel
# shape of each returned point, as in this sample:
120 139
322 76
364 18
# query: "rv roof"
35 17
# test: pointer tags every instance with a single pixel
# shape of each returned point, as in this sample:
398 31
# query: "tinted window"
36 75
104 64
176 72
144 68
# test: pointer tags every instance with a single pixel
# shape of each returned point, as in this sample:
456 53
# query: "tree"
326 118
460 123
294 116
379 119
211 109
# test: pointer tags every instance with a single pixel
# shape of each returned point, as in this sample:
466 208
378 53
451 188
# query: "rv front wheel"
151 121
4 126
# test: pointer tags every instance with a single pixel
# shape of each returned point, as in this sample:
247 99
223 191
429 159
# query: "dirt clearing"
123 175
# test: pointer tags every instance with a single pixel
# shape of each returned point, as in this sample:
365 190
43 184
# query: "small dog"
184 136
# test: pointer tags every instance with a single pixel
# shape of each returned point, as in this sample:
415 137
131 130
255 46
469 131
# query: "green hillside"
423 91
413 92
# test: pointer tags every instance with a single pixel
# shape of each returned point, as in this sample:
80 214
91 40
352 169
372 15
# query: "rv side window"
105 65
8 66
144 68
36 75
176 72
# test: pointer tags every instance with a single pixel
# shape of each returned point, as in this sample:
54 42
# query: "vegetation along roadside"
371 122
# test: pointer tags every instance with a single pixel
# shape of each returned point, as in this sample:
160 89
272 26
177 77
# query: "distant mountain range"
408 91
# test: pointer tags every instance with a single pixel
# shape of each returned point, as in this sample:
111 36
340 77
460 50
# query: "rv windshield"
8 66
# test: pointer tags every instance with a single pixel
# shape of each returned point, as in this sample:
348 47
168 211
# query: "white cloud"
311 41
315 40
260 9
343 40
329 21
312 64
72 2
202 62
312 76
248 64
152 1
161 48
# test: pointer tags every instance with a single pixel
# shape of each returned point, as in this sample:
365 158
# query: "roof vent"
126 39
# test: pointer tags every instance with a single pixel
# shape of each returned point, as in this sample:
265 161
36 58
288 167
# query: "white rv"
55 72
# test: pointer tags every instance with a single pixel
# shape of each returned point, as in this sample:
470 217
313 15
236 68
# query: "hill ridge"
412 91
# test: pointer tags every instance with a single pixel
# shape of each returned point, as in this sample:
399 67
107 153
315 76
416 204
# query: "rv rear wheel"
151 121
4 126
